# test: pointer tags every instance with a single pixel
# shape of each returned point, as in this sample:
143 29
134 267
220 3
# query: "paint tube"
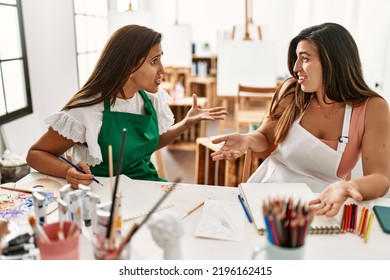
118 222
94 200
75 207
62 210
64 194
20 239
64 191
62 216
106 206
85 204
103 218
39 207
18 249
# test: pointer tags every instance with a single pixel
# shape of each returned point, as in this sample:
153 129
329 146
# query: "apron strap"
107 106
343 139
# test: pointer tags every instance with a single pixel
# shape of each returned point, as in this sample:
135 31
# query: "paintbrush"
15 189
38 230
118 173
110 168
126 239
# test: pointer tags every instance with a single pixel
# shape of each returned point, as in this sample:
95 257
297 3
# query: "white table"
337 246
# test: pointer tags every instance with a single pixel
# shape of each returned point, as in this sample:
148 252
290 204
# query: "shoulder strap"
107 106
343 139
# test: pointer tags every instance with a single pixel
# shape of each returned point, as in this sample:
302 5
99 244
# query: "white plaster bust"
167 232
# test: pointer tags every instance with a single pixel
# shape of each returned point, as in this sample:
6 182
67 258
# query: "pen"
78 168
193 210
245 209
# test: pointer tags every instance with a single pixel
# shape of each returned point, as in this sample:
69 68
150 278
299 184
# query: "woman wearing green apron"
123 91
142 141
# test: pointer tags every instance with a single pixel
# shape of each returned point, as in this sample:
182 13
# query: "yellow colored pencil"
367 234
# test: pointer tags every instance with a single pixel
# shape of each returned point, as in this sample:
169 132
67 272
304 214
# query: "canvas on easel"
177 46
250 63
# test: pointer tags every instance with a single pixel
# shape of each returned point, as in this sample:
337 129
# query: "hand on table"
333 196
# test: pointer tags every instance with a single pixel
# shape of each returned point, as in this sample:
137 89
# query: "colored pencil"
364 223
361 221
343 219
193 210
286 224
367 233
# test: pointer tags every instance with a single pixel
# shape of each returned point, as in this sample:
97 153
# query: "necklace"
327 114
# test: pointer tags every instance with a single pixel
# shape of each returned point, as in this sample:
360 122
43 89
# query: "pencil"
343 219
367 233
361 221
78 168
349 214
364 225
193 210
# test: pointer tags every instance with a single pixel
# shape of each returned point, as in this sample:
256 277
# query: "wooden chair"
252 161
251 105
172 75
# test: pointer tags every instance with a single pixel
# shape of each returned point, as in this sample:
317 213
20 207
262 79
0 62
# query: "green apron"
141 141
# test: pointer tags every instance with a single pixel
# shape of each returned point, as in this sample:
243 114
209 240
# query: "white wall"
50 43
51 49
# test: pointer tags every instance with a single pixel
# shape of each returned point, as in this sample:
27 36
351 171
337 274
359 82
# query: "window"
91 22
15 95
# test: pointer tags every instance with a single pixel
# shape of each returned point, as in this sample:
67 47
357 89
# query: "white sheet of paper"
221 220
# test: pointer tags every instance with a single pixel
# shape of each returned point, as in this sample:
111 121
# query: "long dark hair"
123 54
342 76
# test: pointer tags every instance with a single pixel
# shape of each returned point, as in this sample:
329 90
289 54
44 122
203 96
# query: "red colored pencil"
343 219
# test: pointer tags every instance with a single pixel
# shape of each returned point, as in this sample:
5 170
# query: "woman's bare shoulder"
377 111
377 105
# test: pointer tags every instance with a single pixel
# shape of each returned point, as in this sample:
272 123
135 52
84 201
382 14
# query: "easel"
248 22
255 75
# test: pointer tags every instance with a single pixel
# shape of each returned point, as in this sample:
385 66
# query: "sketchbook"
255 193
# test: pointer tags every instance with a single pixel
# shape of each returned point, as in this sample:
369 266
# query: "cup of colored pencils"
286 224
